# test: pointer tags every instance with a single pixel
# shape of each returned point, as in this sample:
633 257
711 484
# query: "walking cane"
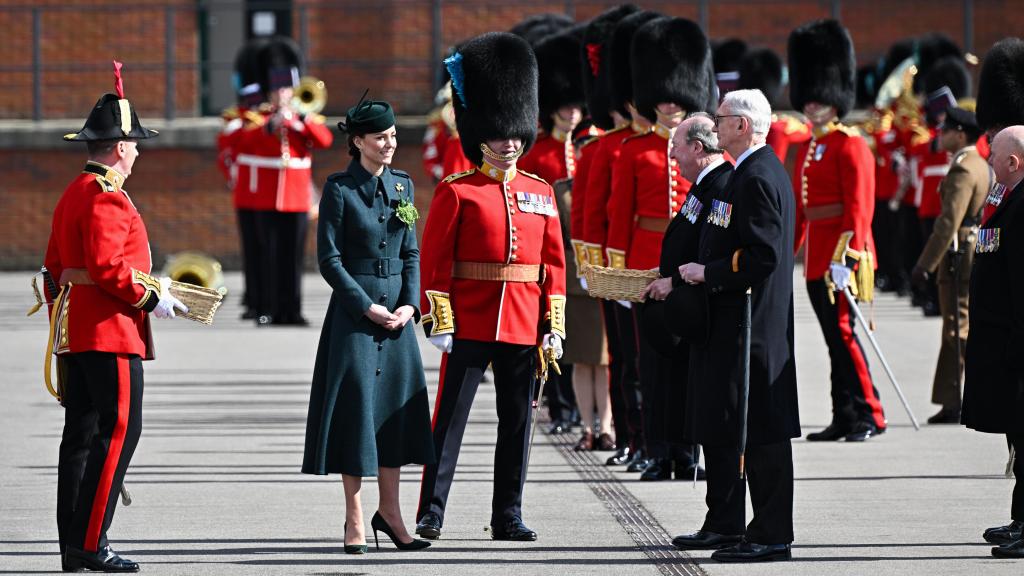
745 393
878 350
954 270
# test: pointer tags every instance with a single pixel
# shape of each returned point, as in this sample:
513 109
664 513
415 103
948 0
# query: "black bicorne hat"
112 118
1001 86
560 73
620 77
822 67
595 55
494 86
671 63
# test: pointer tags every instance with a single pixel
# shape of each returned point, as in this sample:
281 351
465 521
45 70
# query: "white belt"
936 170
273 162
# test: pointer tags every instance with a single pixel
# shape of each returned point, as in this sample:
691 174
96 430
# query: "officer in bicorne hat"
495 299
98 268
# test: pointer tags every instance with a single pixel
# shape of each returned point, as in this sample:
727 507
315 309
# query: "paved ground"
217 490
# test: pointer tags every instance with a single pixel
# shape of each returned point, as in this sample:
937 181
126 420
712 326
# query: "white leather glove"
165 307
583 283
840 275
625 304
443 342
552 341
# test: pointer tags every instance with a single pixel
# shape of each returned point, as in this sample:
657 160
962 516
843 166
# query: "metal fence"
178 54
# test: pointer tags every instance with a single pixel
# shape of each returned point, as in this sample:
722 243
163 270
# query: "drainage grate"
650 536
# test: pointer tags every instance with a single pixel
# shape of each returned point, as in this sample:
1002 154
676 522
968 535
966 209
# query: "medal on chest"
988 241
691 210
995 195
536 203
819 151
721 213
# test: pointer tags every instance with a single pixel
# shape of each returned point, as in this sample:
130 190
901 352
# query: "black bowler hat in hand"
112 118
368 117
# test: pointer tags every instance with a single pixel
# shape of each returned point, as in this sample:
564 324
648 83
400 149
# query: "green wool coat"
368 406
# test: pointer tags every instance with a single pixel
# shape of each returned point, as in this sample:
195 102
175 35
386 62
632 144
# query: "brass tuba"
310 96
195 268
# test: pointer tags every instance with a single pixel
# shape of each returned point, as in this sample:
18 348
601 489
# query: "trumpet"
310 96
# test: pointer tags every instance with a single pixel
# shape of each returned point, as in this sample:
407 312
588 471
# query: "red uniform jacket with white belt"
599 189
785 131
887 180
834 182
274 169
98 242
647 191
491 218
932 164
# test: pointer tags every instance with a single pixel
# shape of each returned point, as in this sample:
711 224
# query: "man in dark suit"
746 243
695 148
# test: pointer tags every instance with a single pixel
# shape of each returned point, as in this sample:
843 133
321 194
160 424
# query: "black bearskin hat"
620 78
762 69
494 86
867 85
822 67
535 28
596 55
671 63
728 54
1001 86
950 71
560 73
247 71
930 49
280 63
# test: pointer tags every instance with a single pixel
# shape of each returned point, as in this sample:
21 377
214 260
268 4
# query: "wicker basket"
202 302
616 283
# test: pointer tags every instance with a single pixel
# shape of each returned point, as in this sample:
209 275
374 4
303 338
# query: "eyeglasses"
718 118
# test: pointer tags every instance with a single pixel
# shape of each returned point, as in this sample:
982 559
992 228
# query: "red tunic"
98 234
930 168
599 189
786 130
587 152
838 172
646 189
552 158
476 218
454 159
887 181
274 170
435 140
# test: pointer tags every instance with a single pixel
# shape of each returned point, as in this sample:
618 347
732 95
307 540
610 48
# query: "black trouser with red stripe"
102 423
854 396
461 372
629 377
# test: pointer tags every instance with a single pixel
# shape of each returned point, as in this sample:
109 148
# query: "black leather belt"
381 267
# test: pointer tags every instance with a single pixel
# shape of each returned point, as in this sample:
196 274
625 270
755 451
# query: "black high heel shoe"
355 548
378 523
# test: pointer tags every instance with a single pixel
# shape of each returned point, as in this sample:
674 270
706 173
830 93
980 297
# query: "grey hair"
752 105
703 133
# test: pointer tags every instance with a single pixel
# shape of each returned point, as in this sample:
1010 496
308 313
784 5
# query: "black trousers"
282 237
769 470
663 390
252 259
629 377
909 240
560 397
618 401
102 424
461 372
1017 504
890 258
854 396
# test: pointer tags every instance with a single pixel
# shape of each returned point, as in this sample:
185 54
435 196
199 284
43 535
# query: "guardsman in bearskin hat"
494 299
98 267
274 158
610 39
835 186
440 128
762 69
993 388
238 118
672 76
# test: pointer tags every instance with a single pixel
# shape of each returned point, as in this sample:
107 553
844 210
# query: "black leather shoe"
250 314
704 540
1012 550
686 472
658 469
1004 534
513 529
945 416
429 526
103 560
752 552
379 523
637 462
832 433
558 427
864 431
621 456
264 320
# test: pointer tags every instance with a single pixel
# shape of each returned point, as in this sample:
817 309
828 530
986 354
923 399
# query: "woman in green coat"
368 409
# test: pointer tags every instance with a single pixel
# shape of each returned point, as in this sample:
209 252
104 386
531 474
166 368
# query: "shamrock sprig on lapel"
406 211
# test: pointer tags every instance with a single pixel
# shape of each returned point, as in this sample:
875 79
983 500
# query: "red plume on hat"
112 118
